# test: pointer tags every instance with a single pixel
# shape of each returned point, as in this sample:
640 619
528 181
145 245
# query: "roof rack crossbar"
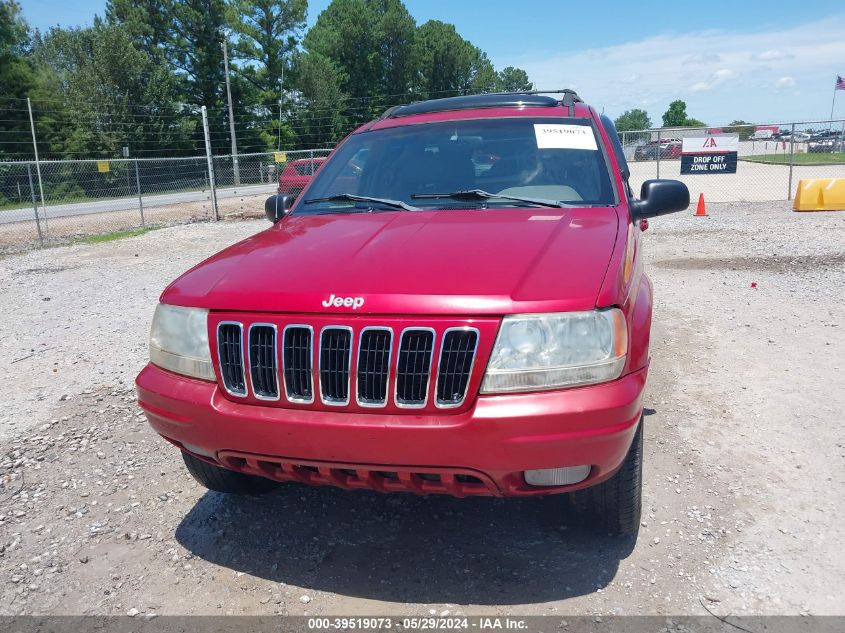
529 98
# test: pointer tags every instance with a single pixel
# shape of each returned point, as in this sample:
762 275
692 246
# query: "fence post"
138 187
211 184
842 138
658 154
34 203
37 163
791 161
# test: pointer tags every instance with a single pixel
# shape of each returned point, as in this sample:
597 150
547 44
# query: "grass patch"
835 158
115 235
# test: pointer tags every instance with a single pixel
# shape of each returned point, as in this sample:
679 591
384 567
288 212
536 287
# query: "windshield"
550 159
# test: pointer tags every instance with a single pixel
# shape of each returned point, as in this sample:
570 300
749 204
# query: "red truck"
429 321
297 174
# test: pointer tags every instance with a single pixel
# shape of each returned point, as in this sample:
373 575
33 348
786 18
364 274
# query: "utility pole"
235 167
281 98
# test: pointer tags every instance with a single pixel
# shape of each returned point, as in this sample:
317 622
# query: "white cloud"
717 78
734 77
784 82
771 55
710 58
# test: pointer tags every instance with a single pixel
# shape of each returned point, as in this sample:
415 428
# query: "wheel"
615 505
228 481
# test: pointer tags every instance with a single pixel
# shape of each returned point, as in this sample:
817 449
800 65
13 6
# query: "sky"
759 61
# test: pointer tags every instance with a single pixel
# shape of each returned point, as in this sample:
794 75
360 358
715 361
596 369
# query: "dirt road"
744 476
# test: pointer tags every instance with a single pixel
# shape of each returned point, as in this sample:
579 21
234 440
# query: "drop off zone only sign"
711 154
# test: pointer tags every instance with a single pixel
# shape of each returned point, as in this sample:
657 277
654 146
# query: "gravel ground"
744 474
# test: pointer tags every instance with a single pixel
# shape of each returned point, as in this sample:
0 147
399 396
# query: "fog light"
557 476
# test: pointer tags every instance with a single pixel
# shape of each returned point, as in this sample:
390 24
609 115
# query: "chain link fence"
771 159
53 201
90 197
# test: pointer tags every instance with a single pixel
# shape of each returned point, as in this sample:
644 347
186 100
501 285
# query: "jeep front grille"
456 358
414 367
230 349
297 352
374 366
262 361
335 361
364 366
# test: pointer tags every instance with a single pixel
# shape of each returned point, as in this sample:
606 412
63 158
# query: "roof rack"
534 99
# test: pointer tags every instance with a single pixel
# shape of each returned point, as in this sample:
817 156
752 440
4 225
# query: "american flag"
840 83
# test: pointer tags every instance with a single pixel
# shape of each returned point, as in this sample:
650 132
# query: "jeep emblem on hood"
344 302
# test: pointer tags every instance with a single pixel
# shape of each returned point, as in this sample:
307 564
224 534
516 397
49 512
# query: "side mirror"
278 206
659 197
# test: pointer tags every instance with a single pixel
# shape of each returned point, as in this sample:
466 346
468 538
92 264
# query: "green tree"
635 119
512 79
676 115
396 31
345 33
268 32
147 22
449 65
109 93
743 128
195 40
17 80
371 44
318 118
188 35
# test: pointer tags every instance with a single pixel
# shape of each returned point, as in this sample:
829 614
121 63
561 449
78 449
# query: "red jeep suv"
429 321
297 174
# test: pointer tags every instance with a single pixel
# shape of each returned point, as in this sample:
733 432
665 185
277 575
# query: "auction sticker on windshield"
564 136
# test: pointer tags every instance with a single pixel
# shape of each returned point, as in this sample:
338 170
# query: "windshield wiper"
479 194
396 204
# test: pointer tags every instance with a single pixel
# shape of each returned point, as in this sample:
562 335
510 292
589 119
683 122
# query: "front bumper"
494 441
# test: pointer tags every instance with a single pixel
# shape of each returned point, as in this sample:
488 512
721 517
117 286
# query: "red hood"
496 261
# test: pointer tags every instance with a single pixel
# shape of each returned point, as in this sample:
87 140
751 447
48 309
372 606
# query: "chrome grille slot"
373 366
335 359
262 361
457 354
297 355
230 351
413 367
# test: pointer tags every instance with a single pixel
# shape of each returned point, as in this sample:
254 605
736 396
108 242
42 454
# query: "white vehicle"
800 137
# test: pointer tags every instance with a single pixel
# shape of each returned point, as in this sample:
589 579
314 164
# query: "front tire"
615 505
227 481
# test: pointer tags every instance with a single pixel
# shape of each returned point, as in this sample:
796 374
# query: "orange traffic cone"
701 209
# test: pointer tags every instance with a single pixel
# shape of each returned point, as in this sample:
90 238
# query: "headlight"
179 341
553 351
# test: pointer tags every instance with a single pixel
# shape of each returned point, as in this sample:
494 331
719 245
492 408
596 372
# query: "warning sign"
281 157
711 154
103 166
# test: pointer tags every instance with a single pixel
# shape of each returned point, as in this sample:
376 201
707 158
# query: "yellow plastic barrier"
820 194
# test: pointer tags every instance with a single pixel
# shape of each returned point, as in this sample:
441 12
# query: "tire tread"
616 504
226 481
